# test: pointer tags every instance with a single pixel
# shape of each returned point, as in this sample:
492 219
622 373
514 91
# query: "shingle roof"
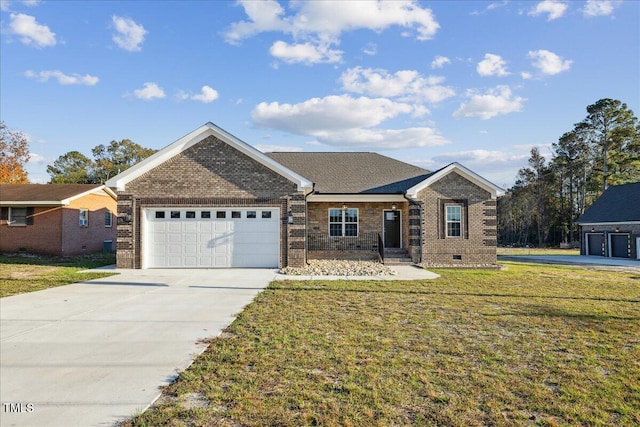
42 192
352 173
620 203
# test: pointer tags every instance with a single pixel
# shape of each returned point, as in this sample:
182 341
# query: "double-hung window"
107 219
83 217
18 216
343 222
454 220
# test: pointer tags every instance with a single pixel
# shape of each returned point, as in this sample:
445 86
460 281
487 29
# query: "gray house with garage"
210 200
611 225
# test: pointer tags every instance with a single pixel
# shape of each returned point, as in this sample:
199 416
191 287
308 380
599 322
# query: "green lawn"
529 345
28 273
537 251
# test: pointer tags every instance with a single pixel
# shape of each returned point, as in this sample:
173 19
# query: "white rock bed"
340 268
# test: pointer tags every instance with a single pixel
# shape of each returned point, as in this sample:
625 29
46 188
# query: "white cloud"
553 8
207 95
331 112
526 75
492 65
307 53
316 26
346 121
599 7
30 31
548 62
498 100
37 159
129 35
408 85
5 5
63 79
370 49
440 61
383 138
149 91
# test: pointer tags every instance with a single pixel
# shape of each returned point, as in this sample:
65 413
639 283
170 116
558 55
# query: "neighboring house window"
84 217
343 222
454 220
17 216
107 219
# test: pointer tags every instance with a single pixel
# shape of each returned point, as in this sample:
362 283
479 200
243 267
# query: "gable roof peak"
208 129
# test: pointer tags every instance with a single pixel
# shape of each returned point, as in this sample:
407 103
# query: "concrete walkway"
90 354
582 260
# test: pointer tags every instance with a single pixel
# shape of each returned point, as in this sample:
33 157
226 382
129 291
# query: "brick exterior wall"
632 229
43 237
477 245
211 173
56 230
77 239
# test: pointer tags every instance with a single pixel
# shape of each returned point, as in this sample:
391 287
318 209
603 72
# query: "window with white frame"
454 220
18 216
343 222
83 217
107 219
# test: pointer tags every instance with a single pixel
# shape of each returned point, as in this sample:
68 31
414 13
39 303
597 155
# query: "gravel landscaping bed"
340 268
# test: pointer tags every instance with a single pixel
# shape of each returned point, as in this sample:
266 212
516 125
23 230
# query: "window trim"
86 219
12 223
110 216
343 223
448 221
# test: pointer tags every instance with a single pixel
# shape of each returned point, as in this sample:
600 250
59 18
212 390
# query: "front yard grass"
529 345
537 251
28 273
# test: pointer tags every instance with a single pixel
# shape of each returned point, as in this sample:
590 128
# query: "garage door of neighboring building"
619 245
595 244
211 237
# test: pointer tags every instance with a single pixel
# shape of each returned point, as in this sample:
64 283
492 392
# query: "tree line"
72 167
542 208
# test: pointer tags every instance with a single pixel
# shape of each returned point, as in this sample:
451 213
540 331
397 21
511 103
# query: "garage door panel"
619 245
213 241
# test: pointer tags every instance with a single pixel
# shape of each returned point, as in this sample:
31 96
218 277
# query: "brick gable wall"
477 245
211 173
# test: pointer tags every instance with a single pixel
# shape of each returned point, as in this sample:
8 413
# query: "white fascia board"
209 129
31 203
356 198
481 182
608 223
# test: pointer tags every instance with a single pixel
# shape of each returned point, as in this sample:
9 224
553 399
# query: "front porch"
362 230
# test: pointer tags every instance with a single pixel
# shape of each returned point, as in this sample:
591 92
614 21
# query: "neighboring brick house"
57 219
611 225
211 200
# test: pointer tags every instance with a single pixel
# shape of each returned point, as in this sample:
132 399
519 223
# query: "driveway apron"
93 353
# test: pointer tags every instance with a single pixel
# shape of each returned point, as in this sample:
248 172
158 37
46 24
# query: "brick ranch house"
611 225
211 200
57 219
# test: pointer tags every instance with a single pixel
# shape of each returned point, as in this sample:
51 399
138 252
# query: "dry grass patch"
20 274
530 345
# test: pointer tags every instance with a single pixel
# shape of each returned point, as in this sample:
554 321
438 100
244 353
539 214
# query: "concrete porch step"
395 256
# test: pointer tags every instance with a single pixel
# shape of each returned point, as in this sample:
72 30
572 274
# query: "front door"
391 229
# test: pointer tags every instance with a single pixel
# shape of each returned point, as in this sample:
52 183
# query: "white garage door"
211 237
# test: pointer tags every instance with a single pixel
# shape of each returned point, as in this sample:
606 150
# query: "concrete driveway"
92 353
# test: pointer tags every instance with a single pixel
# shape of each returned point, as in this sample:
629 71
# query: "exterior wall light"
290 217
394 207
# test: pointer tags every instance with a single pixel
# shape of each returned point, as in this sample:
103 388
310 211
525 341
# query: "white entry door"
211 237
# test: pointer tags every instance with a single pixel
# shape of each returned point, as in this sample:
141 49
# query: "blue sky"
428 83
